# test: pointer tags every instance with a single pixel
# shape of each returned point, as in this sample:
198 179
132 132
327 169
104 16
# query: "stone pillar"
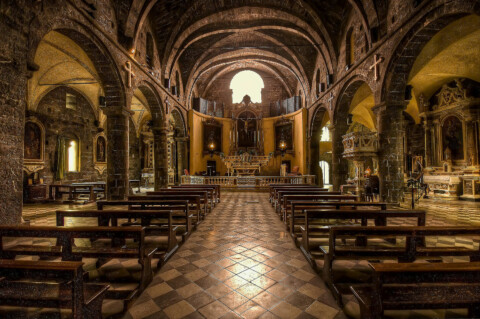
117 153
339 164
428 143
13 92
161 156
181 156
391 133
472 143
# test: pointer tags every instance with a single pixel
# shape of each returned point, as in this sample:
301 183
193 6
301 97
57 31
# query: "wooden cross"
330 99
128 68
377 60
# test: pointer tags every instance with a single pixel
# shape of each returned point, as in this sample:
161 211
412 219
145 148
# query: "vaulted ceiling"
282 37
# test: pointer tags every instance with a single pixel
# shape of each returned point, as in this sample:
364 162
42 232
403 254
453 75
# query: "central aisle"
239 263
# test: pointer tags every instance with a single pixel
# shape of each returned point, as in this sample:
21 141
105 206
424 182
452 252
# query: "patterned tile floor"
240 263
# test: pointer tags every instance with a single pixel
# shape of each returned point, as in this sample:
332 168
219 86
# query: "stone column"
117 153
339 164
13 92
161 156
391 133
181 156
472 147
428 143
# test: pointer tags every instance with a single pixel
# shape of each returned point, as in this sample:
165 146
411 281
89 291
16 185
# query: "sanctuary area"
239 159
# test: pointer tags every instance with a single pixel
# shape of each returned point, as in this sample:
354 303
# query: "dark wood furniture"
182 219
57 190
420 286
61 286
199 186
106 243
374 247
156 223
35 193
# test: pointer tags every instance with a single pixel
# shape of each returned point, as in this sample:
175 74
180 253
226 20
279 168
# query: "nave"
241 262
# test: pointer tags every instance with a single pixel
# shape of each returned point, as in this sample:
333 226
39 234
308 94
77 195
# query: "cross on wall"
376 66
130 74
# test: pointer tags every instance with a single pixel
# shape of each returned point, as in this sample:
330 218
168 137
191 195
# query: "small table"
57 190
133 181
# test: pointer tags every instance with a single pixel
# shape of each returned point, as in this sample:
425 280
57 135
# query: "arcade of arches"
133 96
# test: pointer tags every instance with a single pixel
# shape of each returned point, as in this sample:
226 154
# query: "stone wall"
60 121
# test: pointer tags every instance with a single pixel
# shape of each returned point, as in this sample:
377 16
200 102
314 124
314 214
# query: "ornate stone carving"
100 167
451 95
360 144
33 168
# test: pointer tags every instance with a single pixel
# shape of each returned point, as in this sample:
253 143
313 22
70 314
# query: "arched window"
149 56
72 155
325 172
247 83
325 137
350 48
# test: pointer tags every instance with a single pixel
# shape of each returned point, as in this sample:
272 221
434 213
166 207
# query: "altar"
245 164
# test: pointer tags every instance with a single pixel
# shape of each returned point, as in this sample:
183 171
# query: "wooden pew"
420 286
376 248
287 198
296 218
216 188
57 190
294 190
102 251
98 188
278 199
184 220
194 203
200 203
210 200
61 286
316 228
163 225
272 187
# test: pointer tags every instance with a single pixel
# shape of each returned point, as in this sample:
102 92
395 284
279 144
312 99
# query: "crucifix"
377 60
128 68
330 99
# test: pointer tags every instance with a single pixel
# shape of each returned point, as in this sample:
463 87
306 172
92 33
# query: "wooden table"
57 190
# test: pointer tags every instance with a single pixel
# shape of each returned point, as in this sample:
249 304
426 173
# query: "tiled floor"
240 262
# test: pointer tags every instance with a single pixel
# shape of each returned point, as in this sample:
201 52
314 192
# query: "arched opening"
318 85
325 169
247 83
320 146
350 48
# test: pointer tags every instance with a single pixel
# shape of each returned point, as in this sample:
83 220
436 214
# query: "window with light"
247 83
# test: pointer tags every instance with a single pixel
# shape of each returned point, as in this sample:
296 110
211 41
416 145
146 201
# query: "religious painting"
33 142
212 136
247 130
452 138
284 131
101 150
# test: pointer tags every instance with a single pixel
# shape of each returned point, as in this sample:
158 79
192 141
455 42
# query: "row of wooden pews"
358 249
108 257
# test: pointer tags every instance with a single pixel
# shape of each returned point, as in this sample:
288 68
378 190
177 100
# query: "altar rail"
248 181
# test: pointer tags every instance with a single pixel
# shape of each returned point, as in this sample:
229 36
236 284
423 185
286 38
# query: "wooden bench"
210 201
278 200
64 247
376 248
200 204
316 229
275 189
420 286
61 286
156 223
98 188
272 187
287 198
183 219
216 189
303 190
296 218
57 190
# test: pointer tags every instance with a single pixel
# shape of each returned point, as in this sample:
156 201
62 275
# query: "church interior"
239 159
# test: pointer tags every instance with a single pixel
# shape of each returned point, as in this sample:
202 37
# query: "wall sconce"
211 145
282 145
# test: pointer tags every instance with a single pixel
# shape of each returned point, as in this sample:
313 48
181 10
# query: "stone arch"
410 46
179 123
155 105
314 142
107 69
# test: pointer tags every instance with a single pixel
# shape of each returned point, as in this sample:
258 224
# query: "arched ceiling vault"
277 34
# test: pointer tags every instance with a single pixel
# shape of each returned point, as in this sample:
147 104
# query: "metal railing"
248 181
